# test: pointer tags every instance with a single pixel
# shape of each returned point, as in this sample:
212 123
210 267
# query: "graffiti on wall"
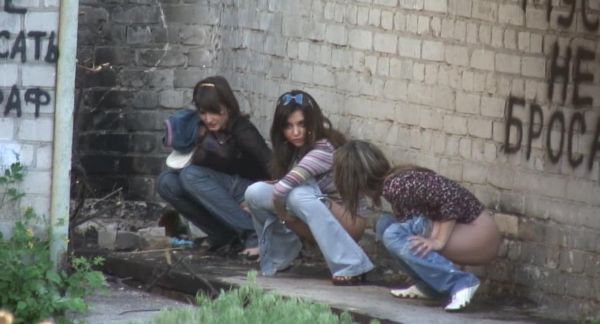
15 49
563 69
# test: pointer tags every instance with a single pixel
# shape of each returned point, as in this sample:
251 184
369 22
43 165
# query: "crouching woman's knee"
259 195
298 197
395 237
168 185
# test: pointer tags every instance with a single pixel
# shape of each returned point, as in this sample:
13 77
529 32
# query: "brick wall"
470 88
28 54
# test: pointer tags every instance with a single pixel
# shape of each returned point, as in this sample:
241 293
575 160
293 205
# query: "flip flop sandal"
349 280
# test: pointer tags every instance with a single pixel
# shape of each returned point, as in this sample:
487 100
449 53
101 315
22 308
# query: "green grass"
251 305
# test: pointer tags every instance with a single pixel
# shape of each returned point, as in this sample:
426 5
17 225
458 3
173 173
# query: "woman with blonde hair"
436 223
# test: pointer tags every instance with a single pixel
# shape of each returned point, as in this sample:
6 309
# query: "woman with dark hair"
436 222
302 203
230 154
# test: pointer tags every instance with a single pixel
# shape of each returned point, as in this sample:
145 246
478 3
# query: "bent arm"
441 233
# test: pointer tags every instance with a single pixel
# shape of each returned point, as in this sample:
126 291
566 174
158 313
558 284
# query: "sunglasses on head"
288 98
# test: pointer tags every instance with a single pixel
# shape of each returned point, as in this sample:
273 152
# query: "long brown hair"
210 94
317 127
361 168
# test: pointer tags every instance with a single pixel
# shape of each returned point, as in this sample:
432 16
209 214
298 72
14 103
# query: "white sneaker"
410 292
461 299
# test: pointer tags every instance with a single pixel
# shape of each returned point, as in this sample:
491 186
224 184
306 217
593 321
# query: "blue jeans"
279 246
210 200
433 273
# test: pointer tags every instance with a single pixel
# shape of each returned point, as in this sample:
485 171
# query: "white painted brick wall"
7 129
40 130
9 77
385 43
27 136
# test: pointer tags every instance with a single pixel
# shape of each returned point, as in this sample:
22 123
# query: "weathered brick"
409 47
436 5
374 17
508 63
40 130
39 75
336 34
7 129
460 7
467 103
387 20
412 4
433 50
480 128
507 224
536 18
455 125
457 55
485 10
534 67
360 39
511 14
385 43
395 89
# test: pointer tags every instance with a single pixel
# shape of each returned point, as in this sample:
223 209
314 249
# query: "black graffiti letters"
19 46
535 110
580 77
35 96
569 69
52 52
577 118
13 102
18 50
513 122
595 145
557 117
567 21
38 97
10 8
559 71
556 123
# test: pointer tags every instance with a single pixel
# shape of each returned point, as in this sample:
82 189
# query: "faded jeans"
433 273
279 246
210 200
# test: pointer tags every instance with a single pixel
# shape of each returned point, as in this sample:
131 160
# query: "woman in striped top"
301 204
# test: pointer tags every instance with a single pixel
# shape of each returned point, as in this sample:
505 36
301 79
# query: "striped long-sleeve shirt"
318 164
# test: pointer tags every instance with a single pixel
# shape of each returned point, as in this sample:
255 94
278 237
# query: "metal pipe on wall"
63 130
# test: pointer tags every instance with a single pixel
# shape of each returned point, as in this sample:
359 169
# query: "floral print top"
422 192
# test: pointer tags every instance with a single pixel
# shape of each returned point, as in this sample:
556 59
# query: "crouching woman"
436 223
300 205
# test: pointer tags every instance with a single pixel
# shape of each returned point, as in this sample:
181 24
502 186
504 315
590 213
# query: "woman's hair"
317 127
361 168
212 93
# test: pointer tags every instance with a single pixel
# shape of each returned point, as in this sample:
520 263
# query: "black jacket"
238 150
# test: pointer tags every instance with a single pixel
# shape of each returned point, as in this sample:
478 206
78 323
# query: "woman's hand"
279 209
420 245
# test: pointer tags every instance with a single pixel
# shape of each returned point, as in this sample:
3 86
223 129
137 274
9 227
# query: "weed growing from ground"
250 304
30 288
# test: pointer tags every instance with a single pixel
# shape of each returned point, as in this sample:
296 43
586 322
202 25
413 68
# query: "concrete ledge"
307 279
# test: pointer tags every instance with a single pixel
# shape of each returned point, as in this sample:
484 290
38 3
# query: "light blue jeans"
279 246
433 273
210 200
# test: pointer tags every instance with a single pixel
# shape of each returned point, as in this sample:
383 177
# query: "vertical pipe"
63 130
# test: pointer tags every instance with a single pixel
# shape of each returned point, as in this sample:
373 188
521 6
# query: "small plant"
30 288
249 304
11 177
